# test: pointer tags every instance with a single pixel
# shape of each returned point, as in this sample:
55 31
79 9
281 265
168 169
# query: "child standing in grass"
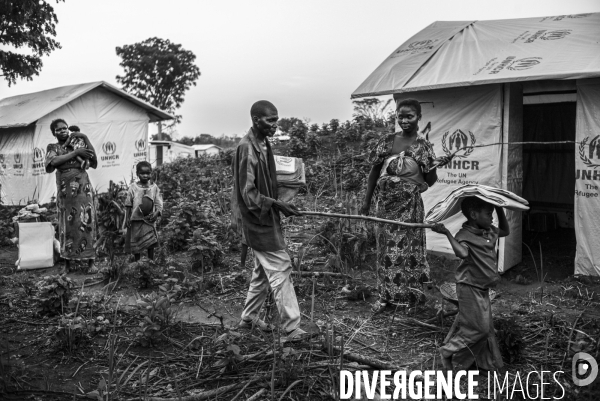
475 244
144 205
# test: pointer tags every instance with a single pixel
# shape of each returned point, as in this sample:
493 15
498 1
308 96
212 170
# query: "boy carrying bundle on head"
475 244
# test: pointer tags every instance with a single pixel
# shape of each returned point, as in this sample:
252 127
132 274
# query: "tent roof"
461 53
170 143
205 146
22 110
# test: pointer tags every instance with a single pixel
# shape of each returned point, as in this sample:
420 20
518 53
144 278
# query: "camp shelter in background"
115 122
503 81
207 150
168 151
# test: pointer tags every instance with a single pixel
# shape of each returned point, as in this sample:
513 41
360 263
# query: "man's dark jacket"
254 191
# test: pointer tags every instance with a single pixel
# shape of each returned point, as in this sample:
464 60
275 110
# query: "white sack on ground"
450 206
36 245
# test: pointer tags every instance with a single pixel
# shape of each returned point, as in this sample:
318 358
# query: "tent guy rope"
510 143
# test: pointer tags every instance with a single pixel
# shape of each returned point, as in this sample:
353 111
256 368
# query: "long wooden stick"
369 218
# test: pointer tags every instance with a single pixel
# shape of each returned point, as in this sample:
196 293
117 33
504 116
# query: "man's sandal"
379 306
298 334
259 323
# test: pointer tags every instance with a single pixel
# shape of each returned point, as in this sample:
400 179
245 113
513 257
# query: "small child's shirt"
480 268
78 143
136 193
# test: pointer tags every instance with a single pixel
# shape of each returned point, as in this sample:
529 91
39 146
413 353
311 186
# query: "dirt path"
403 336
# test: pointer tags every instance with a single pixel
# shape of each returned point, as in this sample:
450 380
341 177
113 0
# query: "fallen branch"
208 394
317 274
426 325
365 360
369 218
289 388
257 395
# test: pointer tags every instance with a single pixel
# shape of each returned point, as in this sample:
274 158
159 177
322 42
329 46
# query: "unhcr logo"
38 155
524 63
587 153
38 158
459 142
419 44
140 146
109 148
555 35
416 46
18 161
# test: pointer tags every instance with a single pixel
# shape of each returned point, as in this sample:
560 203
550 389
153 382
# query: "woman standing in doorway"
75 195
402 168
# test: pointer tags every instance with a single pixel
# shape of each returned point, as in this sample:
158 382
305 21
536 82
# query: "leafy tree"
334 124
372 108
165 137
313 144
285 124
297 145
187 140
30 24
159 72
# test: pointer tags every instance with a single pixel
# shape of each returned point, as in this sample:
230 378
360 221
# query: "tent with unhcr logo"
501 82
115 122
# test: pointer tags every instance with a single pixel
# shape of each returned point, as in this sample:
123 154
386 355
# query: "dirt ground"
35 367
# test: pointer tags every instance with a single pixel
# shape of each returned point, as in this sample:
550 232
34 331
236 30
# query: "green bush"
54 294
196 193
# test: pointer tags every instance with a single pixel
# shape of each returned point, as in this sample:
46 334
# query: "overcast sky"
307 57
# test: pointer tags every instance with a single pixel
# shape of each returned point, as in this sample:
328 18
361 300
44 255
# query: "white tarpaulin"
36 245
452 119
116 126
451 54
587 178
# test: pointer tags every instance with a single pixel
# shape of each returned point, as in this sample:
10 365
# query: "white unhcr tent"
485 82
115 122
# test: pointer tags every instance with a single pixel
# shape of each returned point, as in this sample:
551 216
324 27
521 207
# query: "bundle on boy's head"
141 164
473 204
74 128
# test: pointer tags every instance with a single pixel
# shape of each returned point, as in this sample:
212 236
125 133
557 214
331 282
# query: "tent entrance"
549 185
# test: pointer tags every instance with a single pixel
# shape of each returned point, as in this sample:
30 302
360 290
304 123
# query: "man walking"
255 194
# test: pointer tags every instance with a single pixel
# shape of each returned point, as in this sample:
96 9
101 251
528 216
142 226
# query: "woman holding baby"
75 194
